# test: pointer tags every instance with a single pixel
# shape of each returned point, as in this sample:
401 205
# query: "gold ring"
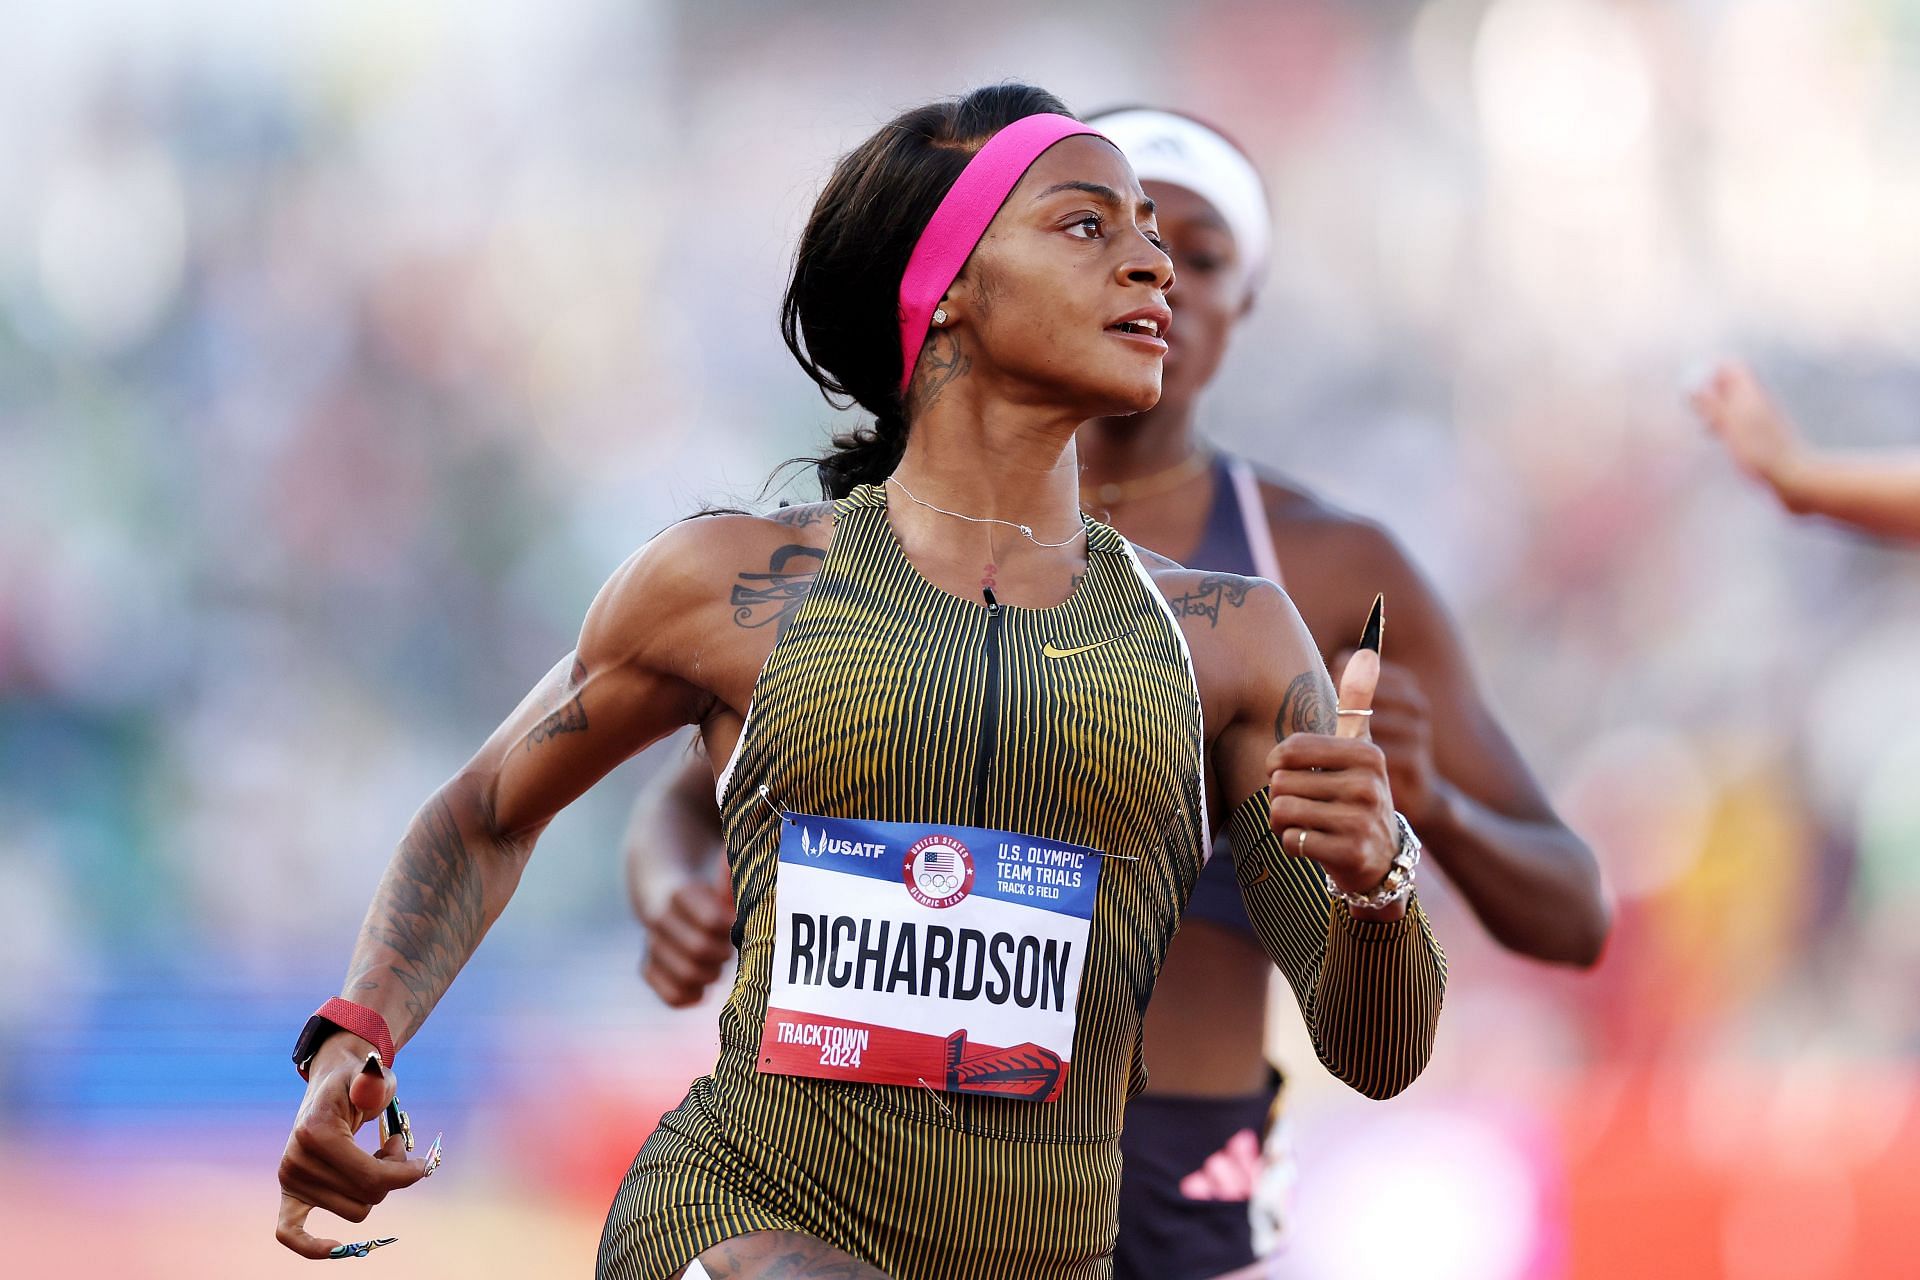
1300 845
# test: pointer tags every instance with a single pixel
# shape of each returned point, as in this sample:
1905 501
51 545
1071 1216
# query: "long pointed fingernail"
1376 623
361 1249
371 1067
394 1120
433 1155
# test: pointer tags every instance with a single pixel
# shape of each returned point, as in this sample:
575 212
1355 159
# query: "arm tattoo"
428 914
1306 707
942 362
569 717
1214 591
774 596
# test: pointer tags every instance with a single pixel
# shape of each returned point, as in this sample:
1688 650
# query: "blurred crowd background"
346 346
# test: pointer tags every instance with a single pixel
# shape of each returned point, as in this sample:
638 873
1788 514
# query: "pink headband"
963 217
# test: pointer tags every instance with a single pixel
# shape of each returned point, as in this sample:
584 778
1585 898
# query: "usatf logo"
818 845
938 871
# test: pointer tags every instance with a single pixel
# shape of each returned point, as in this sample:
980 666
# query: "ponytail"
865 455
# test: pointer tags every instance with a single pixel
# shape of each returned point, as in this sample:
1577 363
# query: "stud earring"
939 315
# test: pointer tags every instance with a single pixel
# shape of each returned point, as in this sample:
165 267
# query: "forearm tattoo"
759 599
1308 706
1214 592
569 717
427 916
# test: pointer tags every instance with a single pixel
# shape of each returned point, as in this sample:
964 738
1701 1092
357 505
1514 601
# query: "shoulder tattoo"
1210 595
801 515
771 598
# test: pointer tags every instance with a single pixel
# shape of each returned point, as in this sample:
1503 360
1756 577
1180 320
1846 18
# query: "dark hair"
841 313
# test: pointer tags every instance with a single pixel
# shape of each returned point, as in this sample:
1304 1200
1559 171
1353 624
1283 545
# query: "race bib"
943 956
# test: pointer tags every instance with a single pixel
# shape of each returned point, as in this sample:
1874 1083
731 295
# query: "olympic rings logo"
938 871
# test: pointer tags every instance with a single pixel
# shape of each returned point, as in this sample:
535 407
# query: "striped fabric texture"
1370 990
887 698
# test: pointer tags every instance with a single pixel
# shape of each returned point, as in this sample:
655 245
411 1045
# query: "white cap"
1165 147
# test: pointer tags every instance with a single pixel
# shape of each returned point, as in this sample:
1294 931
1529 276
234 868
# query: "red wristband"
362 1021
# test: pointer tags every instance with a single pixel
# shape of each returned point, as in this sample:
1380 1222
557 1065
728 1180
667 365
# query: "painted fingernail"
433 1155
1376 622
393 1120
371 1067
362 1249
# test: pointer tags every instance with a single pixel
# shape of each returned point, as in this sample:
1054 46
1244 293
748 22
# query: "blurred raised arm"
1875 491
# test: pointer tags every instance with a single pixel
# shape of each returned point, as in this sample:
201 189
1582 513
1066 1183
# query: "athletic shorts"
1189 1172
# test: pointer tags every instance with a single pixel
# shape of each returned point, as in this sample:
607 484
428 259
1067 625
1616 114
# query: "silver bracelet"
1398 883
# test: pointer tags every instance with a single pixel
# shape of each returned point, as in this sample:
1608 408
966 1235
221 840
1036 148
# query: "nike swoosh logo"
1052 650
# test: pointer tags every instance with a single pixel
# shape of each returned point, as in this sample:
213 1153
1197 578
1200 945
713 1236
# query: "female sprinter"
1453 771
971 769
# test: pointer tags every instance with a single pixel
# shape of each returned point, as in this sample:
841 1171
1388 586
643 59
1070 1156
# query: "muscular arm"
463 853
672 639
630 680
1369 988
1530 881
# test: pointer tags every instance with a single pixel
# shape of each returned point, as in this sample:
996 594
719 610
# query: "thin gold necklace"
1116 493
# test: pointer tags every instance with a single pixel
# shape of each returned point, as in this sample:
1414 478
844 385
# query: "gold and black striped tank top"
887 698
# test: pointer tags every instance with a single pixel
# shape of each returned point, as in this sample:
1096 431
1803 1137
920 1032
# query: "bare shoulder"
1308 527
692 555
1243 634
1225 617
743 533
710 575
804 515
1206 599
1336 561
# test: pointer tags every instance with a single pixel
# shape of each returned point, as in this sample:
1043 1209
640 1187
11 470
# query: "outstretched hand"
323 1166
1759 438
